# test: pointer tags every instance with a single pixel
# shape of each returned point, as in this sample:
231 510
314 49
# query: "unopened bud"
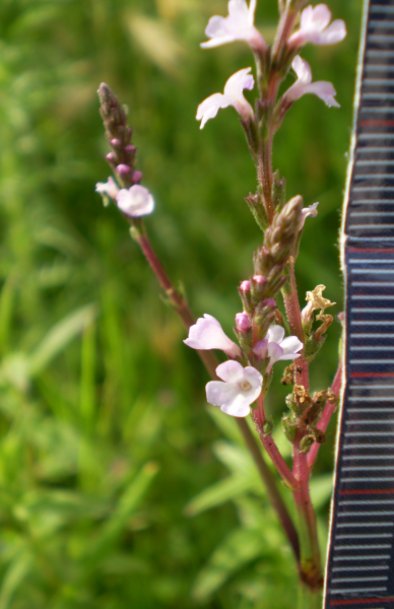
245 286
115 142
111 158
242 322
123 169
259 280
245 294
137 177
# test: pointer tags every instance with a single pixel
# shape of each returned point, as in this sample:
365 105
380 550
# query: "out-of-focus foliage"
118 487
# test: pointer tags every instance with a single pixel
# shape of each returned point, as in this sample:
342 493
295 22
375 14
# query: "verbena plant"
272 325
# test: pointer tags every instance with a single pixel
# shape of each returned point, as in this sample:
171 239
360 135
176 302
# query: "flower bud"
123 169
130 149
245 286
242 322
245 294
259 279
137 176
111 158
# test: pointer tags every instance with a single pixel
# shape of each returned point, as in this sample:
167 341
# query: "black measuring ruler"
360 567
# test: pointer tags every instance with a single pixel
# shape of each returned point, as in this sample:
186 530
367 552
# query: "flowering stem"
327 413
209 360
310 572
270 445
172 294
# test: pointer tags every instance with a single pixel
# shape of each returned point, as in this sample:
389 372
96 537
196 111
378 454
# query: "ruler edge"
343 245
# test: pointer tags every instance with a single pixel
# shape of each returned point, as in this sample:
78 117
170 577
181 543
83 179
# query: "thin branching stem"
210 362
270 445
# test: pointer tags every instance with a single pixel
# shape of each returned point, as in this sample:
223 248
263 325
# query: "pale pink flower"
207 333
276 347
315 27
238 25
231 96
309 212
135 201
238 388
108 189
304 85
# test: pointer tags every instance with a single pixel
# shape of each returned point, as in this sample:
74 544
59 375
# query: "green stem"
309 599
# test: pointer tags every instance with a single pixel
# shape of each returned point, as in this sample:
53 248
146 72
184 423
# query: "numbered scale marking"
360 572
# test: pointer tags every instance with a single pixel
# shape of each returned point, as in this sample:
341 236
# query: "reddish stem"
326 415
310 571
270 445
210 362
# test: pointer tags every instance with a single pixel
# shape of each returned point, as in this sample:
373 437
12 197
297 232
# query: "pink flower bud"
115 142
137 176
123 169
242 322
111 157
269 302
130 149
245 286
259 280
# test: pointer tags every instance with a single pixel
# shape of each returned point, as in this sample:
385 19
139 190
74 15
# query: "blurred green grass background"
118 486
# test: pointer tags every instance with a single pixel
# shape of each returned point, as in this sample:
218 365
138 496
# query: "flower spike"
238 25
315 27
231 96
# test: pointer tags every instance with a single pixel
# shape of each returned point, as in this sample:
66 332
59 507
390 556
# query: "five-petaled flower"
276 347
238 25
237 390
135 201
315 27
231 96
207 333
304 85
